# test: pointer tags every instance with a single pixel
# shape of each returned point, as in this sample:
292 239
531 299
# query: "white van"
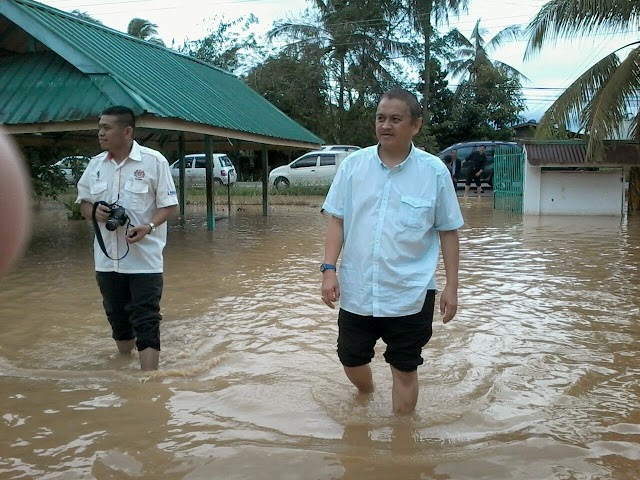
224 173
313 168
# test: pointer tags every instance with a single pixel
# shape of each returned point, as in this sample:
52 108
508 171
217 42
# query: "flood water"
536 378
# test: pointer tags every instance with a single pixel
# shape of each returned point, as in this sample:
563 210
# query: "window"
225 161
464 152
327 160
201 162
305 162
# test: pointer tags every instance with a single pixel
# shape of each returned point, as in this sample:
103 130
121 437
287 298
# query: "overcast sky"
552 70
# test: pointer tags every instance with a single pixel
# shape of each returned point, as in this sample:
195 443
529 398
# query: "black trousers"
132 304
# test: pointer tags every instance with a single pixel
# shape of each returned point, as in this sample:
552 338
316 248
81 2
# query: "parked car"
224 173
466 148
313 168
72 164
339 148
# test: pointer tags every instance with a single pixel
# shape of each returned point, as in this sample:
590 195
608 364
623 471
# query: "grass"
240 195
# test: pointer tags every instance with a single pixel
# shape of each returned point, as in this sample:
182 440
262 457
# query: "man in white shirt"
128 248
390 207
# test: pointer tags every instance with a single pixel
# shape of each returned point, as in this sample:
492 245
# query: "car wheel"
217 182
281 183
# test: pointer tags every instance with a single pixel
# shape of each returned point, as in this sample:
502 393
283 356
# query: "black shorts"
404 336
132 305
471 177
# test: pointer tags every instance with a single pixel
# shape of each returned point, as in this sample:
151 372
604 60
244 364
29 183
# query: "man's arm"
332 249
450 245
159 217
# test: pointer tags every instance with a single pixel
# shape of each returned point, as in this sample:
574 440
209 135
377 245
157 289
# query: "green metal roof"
59 68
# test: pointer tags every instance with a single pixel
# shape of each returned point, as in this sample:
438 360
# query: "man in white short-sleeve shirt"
391 207
128 245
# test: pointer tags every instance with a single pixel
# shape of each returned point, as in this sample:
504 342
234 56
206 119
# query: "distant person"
476 163
129 269
15 199
390 207
454 165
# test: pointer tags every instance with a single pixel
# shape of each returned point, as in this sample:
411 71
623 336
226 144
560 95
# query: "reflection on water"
536 378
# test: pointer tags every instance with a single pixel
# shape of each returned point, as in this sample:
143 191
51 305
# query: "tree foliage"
228 45
603 97
488 105
144 30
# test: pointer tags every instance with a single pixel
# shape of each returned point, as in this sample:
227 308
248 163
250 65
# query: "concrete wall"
572 192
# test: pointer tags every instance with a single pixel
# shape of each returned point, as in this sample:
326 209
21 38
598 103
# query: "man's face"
112 135
395 128
482 148
454 154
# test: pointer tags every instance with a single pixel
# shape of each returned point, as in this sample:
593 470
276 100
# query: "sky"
552 70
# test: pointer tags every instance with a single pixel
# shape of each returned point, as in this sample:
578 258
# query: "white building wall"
531 191
579 193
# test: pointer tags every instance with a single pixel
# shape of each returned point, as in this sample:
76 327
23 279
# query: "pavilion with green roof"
58 72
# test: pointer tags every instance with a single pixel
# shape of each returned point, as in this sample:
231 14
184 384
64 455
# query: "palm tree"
599 101
421 14
474 52
345 40
144 30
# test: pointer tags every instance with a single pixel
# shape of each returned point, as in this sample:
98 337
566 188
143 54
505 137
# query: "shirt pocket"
136 194
98 190
415 212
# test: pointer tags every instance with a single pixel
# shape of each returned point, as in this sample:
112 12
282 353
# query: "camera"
117 216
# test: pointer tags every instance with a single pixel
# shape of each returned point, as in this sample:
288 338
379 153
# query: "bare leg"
361 377
479 190
405 390
149 359
125 346
466 190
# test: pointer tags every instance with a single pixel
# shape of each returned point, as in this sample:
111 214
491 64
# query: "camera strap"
96 227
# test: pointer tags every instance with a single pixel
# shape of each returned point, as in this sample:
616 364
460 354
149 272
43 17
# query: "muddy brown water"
536 378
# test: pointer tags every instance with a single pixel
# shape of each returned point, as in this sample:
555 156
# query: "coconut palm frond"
509 34
567 110
477 35
457 39
459 68
635 127
296 31
609 107
563 18
509 71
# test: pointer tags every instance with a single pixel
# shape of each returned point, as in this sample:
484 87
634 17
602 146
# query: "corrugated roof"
573 153
152 78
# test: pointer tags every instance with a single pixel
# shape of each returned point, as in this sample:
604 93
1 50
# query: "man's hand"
135 234
448 304
330 288
102 213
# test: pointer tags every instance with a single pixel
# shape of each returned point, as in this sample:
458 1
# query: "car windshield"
226 162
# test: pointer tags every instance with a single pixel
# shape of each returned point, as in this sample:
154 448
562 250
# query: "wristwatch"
153 227
327 266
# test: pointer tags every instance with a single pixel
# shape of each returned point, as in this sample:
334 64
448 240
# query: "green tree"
599 101
488 105
474 52
296 85
144 30
228 45
423 15
356 40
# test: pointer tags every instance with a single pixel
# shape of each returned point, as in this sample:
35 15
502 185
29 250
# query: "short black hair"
125 115
407 97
